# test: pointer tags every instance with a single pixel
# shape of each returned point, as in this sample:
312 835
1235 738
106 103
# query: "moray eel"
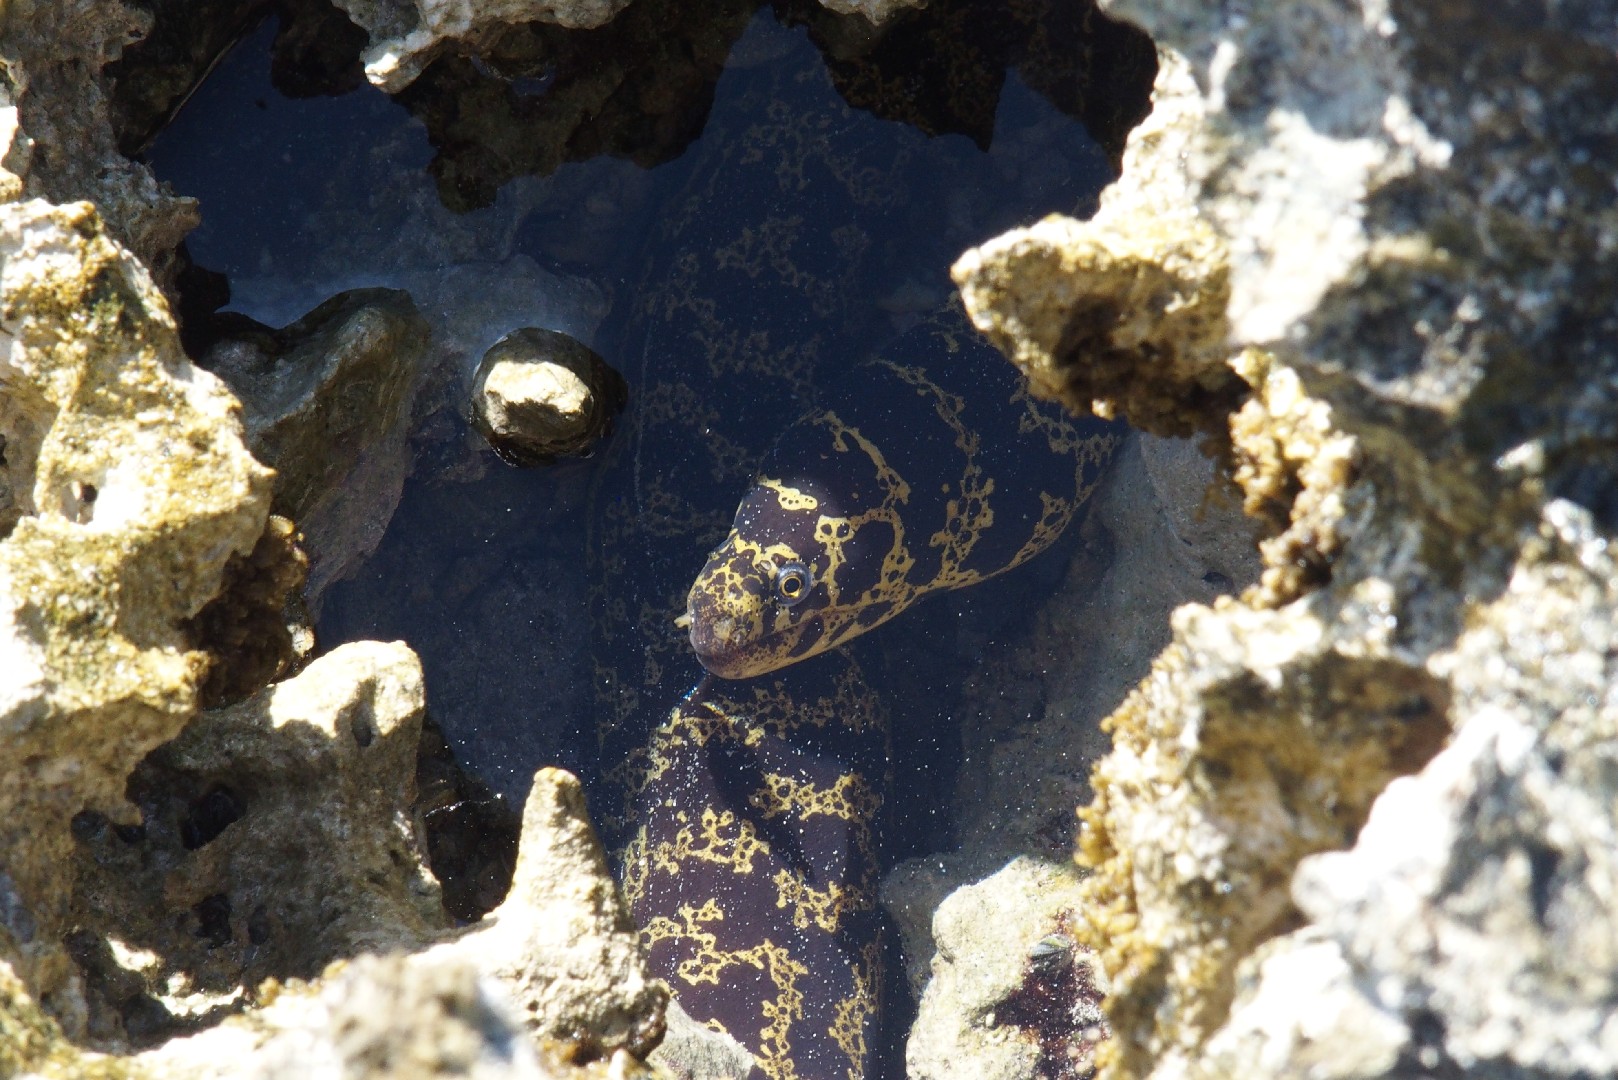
938 471
761 904
745 804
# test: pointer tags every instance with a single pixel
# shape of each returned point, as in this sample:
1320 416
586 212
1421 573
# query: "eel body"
934 470
745 802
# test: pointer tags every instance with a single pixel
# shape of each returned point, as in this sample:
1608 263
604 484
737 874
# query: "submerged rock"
1357 251
539 395
327 401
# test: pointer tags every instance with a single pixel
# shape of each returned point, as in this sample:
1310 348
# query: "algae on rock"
132 491
1412 379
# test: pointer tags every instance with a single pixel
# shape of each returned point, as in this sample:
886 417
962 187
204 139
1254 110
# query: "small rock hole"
209 816
258 926
213 920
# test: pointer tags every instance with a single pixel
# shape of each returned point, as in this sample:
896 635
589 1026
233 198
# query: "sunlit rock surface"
1373 246
56 138
538 395
1011 995
128 492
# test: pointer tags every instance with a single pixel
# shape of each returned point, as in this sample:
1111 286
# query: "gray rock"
538 395
374 1018
406 35
327 402
1011 996
1363 251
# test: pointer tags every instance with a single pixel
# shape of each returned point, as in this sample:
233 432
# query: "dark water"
471 200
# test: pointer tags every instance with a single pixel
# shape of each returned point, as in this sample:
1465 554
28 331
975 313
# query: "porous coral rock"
56 138
237 874
406 35
131 492
1470 928
388 1018
1419 320
562 942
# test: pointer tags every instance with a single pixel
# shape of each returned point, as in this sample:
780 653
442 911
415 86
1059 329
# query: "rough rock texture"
327 405
56 140
129 490
538 395
1011 996
381 1018
1366 251
1157 536
562 943
875 11
550 985
236 874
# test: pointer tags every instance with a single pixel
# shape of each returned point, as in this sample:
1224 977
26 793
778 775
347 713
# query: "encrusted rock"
1363 263
875 11
131 491
562 943
327 404
1160 533
539 395
1124 314
237 874
380 1018
1012 997
56 139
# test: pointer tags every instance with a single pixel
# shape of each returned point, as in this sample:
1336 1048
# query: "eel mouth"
724 640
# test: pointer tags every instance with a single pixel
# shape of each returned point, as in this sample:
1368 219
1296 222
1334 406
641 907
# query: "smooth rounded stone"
539 395
1011 996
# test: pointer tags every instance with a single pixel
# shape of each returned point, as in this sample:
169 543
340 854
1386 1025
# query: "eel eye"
792 583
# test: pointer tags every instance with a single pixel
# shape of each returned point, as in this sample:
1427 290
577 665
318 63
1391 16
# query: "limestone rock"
406 35
129 492
1011 996
56 138
875 11
1164 529
538 395
1316 276
562 943
238 872
693 1051
383 1018
327 405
